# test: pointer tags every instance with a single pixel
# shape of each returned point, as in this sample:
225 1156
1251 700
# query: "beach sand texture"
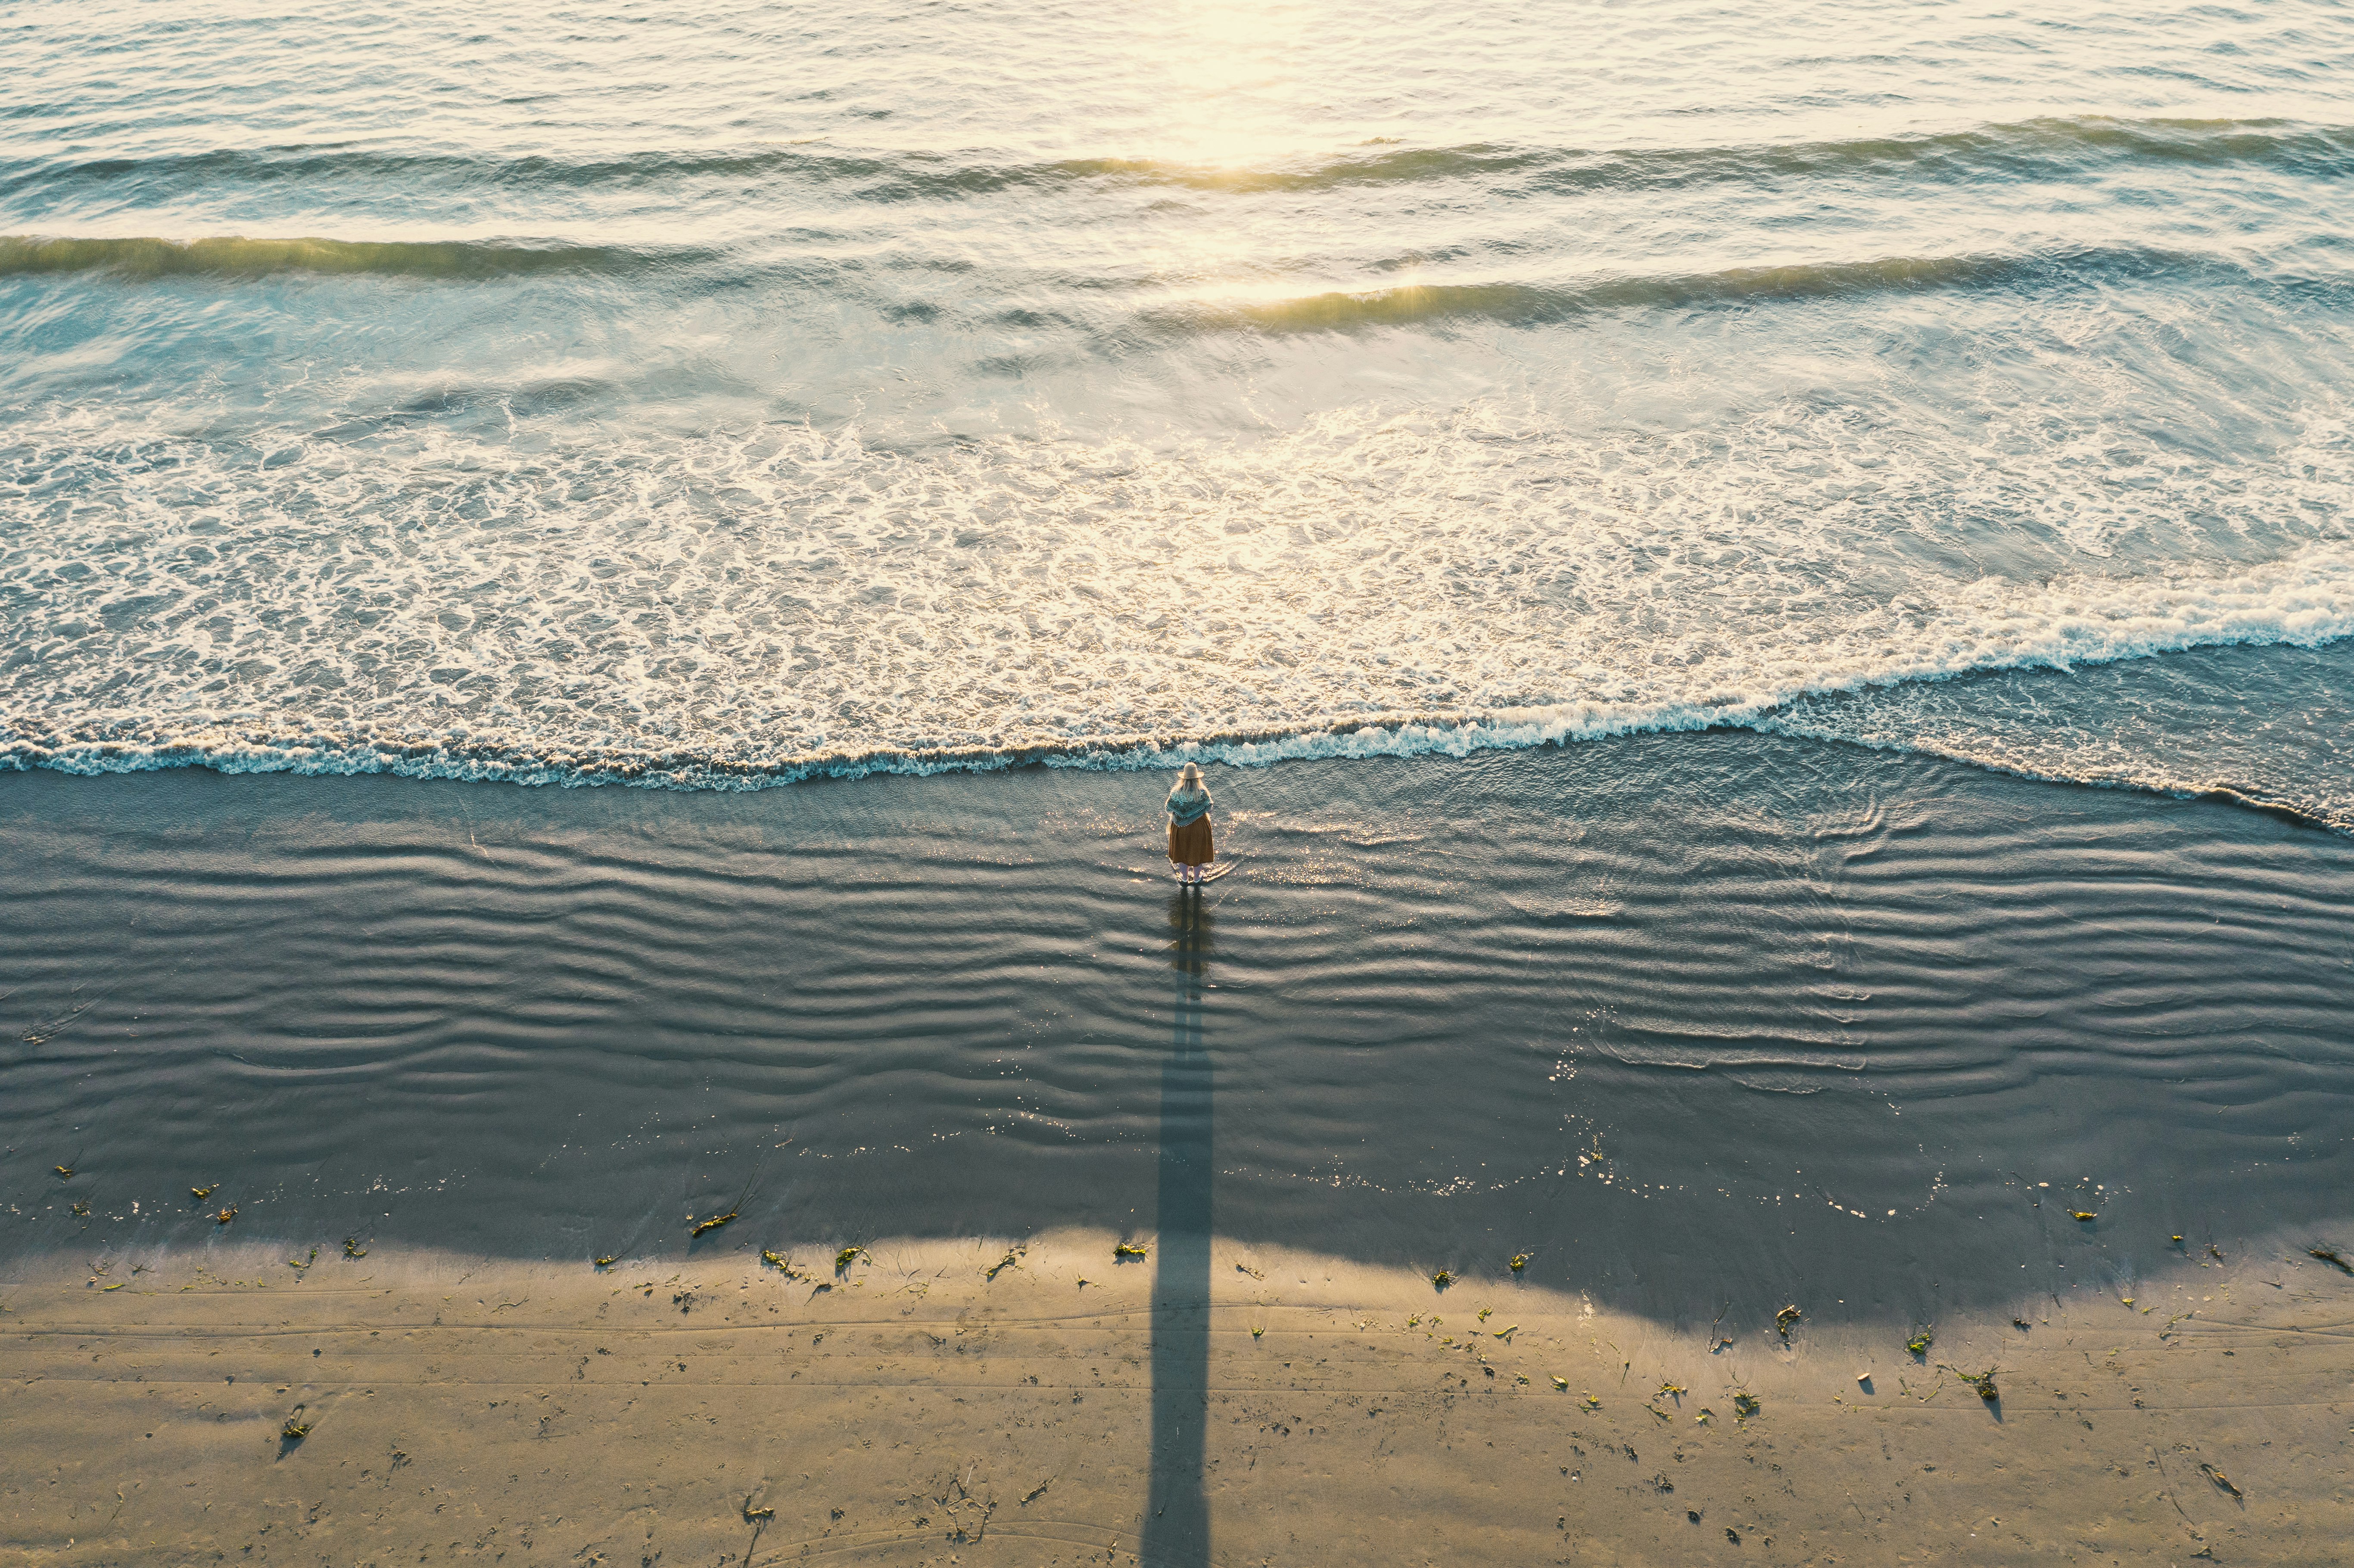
940 1401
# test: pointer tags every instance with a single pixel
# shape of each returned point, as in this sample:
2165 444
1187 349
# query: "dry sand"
913 1410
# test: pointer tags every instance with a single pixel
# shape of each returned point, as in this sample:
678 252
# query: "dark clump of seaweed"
715 1221
1984 1382
756 1514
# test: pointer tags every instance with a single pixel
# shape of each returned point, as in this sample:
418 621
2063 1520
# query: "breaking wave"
779 611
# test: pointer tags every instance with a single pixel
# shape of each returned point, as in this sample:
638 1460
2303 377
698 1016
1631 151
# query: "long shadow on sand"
1177 1523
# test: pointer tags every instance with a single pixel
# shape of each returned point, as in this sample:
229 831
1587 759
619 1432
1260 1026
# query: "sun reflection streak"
1233 110
1234 78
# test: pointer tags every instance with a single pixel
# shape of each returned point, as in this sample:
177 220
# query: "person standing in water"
1190 849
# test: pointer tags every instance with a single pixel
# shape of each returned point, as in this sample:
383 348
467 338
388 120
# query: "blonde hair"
1191 778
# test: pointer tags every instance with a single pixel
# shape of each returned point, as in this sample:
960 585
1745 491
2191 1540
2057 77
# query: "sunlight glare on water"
568 394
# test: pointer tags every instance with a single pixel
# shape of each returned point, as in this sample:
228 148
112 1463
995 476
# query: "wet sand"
1700 1027
1232 1405
1687 1016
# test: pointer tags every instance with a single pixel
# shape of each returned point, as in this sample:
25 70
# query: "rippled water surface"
1693 1019
722 394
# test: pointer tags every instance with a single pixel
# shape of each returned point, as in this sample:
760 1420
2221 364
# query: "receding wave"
22 256
2054 147
462 755
2306 602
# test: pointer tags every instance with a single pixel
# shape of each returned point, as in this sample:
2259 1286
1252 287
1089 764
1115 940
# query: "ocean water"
730 394
1665 481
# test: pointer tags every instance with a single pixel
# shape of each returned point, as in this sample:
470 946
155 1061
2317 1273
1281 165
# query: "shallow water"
721 396
1693 1020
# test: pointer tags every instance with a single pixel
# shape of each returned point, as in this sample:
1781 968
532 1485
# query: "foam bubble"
764 605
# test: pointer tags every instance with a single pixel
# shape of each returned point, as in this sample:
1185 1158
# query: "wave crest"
1518 303
238 257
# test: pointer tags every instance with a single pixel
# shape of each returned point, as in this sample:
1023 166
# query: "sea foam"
784 602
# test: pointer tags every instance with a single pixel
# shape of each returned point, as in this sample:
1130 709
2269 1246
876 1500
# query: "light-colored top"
1187 806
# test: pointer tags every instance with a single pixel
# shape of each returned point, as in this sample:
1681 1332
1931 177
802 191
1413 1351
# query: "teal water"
724 394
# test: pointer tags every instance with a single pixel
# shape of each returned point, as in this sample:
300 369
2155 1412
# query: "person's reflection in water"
1177 1521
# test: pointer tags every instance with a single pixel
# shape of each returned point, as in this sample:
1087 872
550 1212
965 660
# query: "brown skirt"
1190 845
